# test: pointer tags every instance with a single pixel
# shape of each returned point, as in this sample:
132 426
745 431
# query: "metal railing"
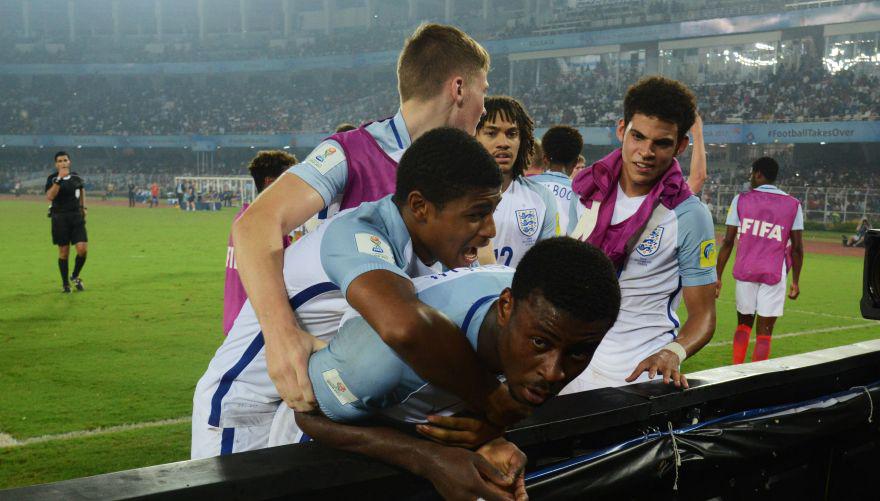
828 205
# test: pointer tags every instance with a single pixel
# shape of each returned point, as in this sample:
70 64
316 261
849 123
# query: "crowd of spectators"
317 101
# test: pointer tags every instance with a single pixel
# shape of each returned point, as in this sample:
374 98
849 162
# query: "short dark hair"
345 127
562 144
61 154
514 112
443 165
663 98
767 167
585 285
269 163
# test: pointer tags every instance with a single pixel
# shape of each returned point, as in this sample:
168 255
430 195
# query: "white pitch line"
808 332
804 312
7 440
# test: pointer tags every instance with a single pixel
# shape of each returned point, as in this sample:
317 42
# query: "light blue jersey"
358 375
559 185
328 175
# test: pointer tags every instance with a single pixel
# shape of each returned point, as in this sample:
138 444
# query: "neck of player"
487 340
419 248
506 179
630 188
422 116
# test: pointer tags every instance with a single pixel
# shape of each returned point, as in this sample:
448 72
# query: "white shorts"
209 441
766 300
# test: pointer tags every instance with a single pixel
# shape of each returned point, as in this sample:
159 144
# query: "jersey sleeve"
325 170
352 247
48 183
550 225
356 375
798 219
696 244
732 214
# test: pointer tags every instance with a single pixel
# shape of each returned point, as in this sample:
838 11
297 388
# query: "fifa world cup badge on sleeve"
325 157
708 254
338 387
374 246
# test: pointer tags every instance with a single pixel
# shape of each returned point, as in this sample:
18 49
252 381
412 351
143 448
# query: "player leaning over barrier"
639 210
442 76
441 212
538 327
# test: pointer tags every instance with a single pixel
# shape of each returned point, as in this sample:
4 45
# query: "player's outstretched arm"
699 172
456 473
694 334
430 343
284 205
723 255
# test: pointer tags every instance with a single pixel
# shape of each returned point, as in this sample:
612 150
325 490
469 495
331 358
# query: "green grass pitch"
129 350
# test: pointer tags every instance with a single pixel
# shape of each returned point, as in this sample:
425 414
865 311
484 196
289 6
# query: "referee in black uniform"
66 191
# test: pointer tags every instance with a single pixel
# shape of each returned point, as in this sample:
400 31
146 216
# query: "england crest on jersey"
650 245
527 221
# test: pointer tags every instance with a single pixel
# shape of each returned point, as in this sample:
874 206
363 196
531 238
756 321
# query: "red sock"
762 348
741 343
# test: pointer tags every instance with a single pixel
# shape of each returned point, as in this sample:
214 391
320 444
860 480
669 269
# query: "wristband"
57 180
676 348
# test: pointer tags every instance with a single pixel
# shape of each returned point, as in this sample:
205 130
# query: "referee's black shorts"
68 228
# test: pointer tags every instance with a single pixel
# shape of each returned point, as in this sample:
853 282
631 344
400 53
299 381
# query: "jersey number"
505 251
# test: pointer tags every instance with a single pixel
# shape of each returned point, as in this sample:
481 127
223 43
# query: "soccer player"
581 163
639 210
442 79
562 147
66 191
265 169
765 218
527 212
441 212
538 327
154 195
537 164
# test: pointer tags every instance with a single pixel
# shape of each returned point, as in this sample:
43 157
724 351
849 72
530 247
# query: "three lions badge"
527 221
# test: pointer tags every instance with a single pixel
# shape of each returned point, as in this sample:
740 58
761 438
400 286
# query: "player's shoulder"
538 189
691 205
461 277
692 211
372 223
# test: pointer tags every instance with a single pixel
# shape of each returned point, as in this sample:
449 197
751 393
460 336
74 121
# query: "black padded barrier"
736 451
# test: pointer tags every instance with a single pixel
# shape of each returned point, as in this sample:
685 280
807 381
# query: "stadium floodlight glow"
287 147
821 142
